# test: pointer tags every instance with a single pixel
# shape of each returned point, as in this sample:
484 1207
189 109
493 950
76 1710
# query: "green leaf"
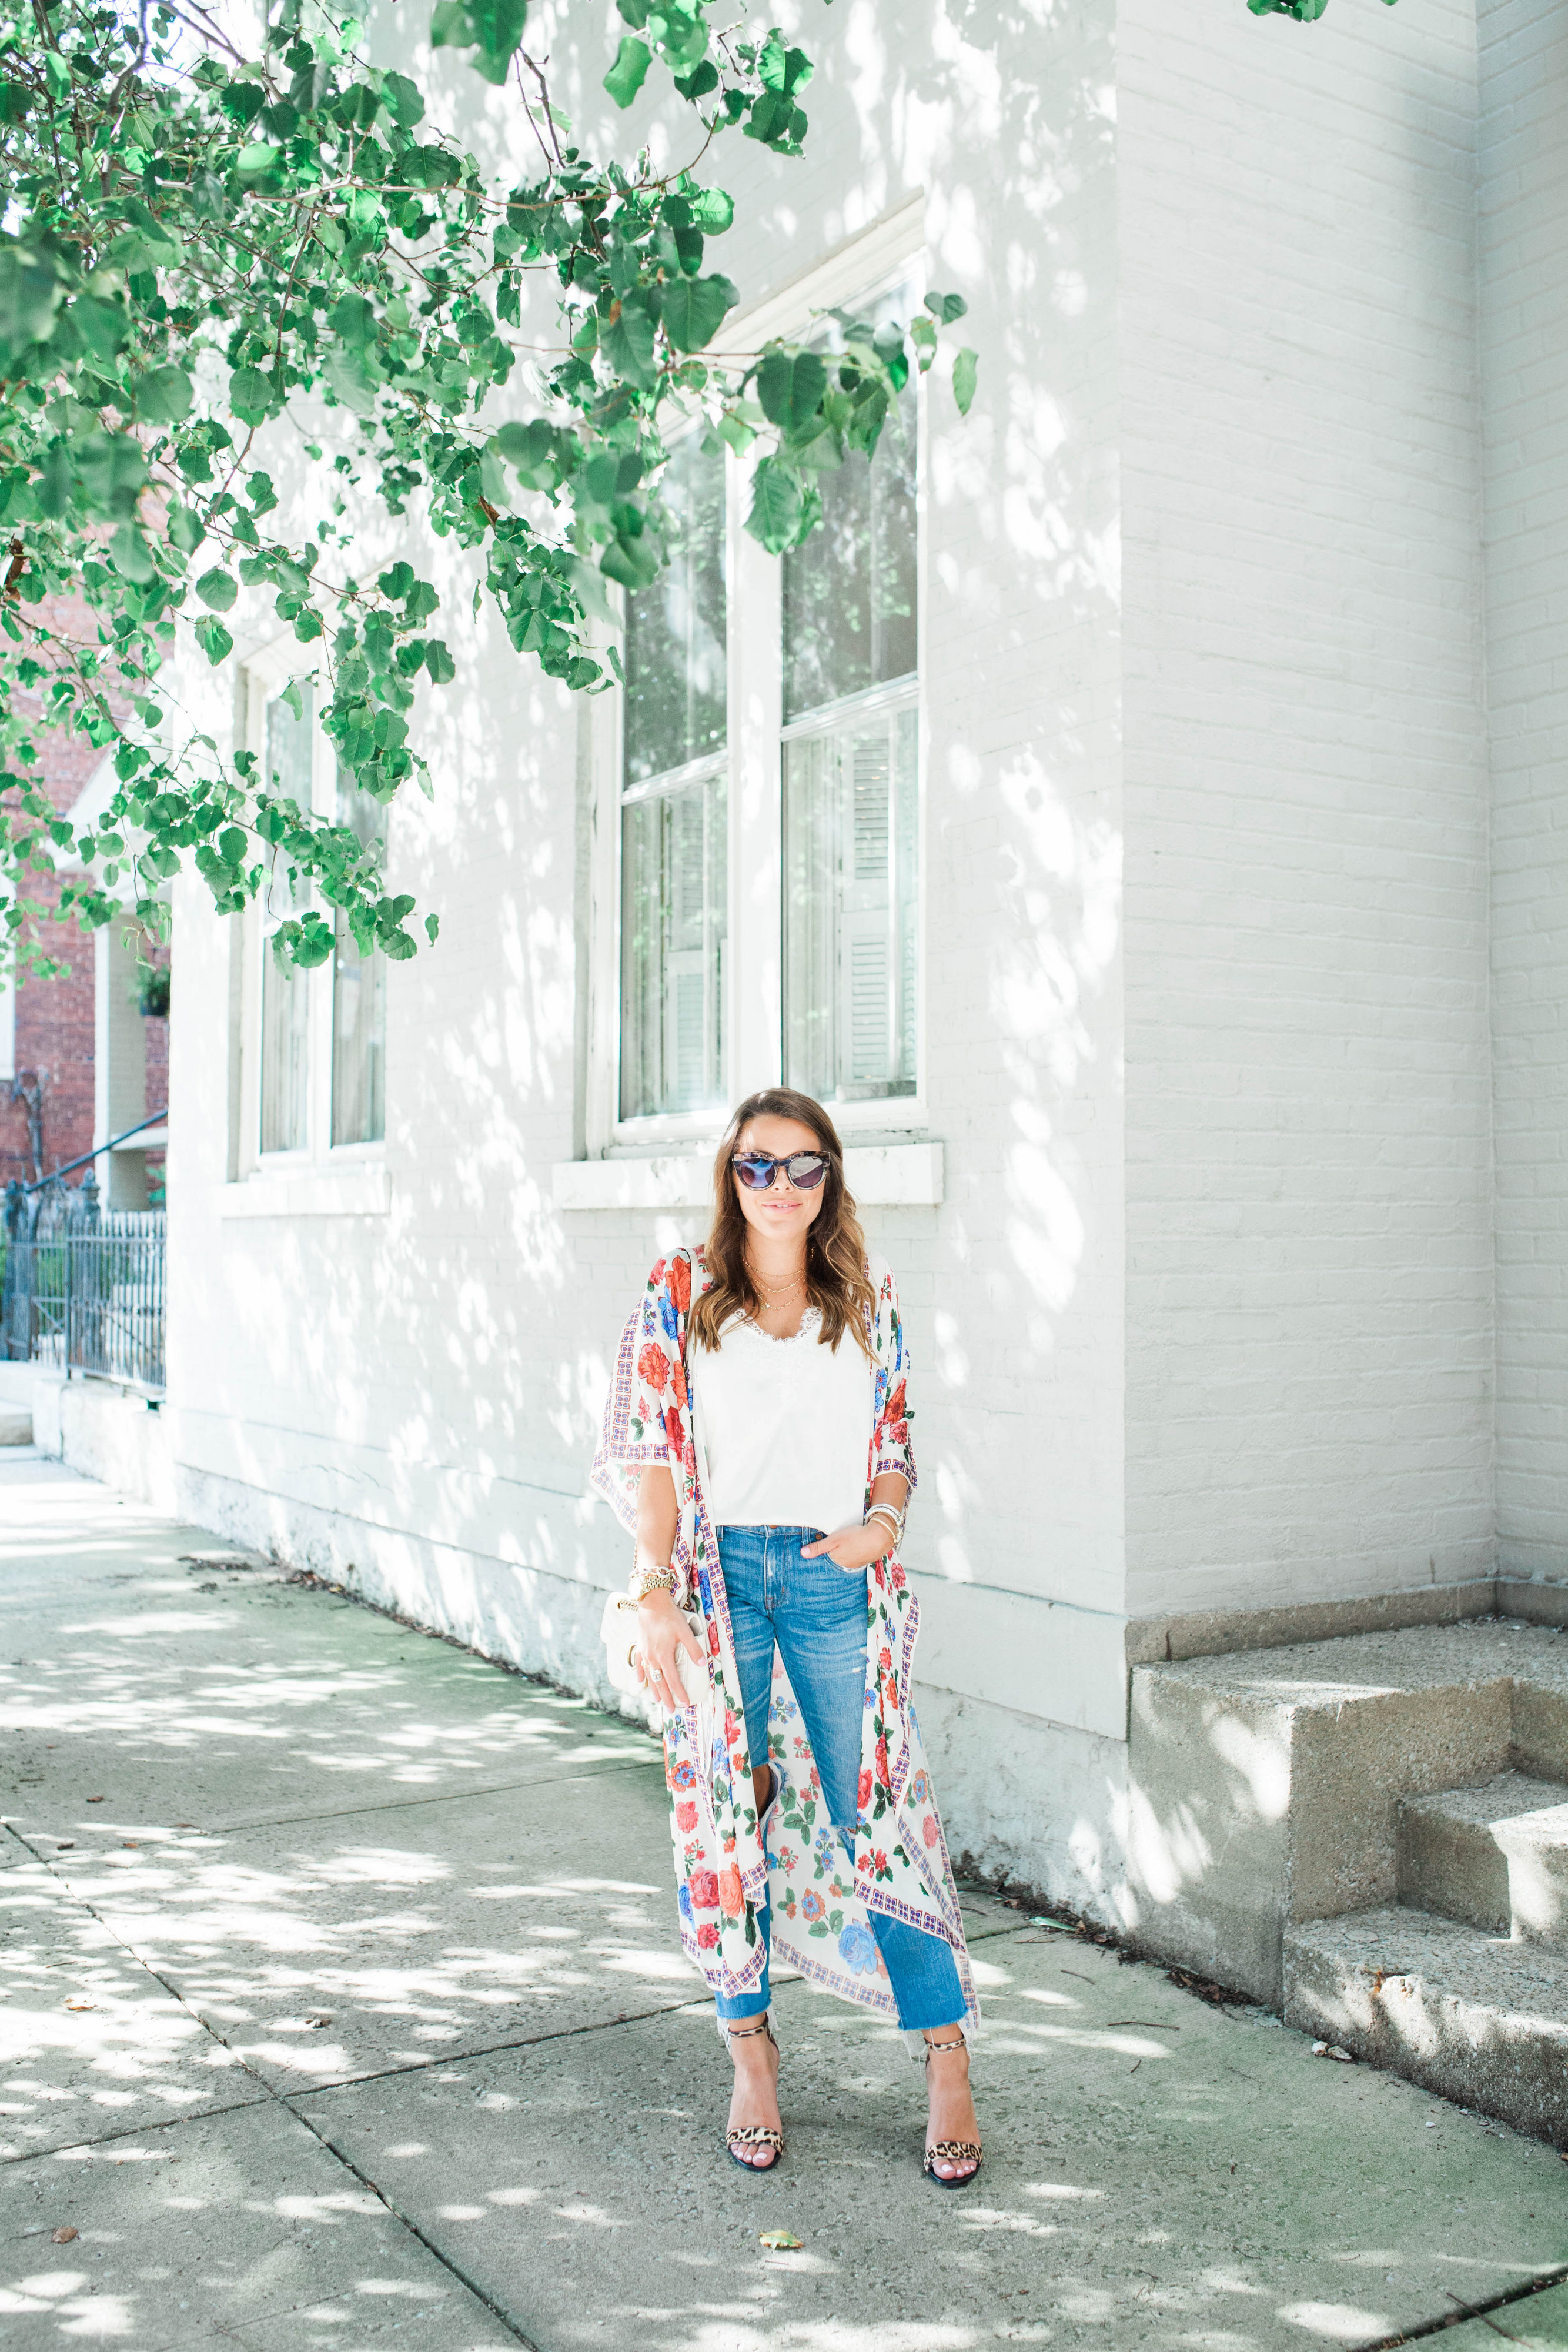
629 71
945 308
693 310
790 386
214 640
250 395
349 375
217 588
255 161
780 68
496 27
628 340
103 324
54 482
439 663
433 927
966 370
711 210
354 320
164 395
776 508
29 293
131 555
402 99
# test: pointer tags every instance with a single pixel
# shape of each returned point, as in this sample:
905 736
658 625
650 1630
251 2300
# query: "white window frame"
266 674
887 255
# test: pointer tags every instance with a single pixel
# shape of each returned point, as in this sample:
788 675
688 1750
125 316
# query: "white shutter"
865 962
851 908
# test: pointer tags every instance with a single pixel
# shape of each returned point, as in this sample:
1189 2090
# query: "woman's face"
782 1213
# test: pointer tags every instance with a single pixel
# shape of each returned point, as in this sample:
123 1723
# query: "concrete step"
15 1424
1496 1856
1265 1786
1478 2019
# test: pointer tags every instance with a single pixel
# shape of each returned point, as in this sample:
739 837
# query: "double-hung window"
851 811
765 782
358 997
674 805
315 1040
288 741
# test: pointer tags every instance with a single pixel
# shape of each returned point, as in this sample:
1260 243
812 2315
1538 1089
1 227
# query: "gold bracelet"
890 1518
652 1579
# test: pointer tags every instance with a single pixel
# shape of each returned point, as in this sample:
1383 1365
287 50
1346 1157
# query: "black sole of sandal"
961 2182
754 2136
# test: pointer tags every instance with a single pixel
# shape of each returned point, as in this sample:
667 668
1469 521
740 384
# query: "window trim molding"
291 1181
888 252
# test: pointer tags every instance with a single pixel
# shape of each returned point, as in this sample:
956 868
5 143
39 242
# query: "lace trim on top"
810 1321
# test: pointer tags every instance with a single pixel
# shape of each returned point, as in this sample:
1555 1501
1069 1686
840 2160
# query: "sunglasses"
805 1170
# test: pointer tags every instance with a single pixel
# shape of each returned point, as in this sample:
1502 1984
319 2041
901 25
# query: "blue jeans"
816 1613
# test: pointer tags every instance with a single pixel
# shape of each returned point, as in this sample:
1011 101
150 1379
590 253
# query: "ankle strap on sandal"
747 2032
959 2043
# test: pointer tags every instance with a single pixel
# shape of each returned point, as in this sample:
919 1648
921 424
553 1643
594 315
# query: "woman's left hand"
851 1548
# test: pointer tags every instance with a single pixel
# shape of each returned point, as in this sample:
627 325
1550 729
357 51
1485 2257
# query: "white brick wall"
1224 1339
1523 243
419 1393
1309 1312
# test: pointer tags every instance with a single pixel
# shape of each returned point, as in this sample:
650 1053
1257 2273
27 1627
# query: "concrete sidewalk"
343 2007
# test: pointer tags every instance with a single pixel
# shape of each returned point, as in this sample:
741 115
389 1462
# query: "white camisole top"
784 1425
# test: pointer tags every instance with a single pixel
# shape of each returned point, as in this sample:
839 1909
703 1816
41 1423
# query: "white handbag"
618 1631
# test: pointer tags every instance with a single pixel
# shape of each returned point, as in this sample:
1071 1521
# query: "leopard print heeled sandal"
752 2135
950 2151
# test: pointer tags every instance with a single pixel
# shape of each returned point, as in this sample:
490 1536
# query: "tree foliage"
206 254
1305 12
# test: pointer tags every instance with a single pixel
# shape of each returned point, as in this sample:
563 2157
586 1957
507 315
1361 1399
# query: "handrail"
96 1153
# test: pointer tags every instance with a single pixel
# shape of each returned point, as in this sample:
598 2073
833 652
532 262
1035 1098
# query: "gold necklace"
772 1300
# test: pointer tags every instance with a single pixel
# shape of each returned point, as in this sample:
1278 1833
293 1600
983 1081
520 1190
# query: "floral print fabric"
725 1858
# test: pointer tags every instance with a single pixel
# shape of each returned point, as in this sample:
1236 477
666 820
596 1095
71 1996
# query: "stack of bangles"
892 1520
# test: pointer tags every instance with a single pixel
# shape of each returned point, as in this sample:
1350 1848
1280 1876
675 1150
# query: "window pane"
288 749
358 1001
673 884
358 1042
851 903
675 630
850 592
285 1002
285 990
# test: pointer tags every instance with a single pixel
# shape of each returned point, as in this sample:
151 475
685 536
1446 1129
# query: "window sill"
361 1191
884 1176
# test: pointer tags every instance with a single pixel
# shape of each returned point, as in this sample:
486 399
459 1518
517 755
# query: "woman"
756 1441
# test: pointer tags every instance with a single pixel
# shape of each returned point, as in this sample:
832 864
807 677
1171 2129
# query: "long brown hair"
837 1283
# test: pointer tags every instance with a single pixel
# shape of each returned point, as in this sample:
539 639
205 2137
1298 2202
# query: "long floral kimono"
726 1859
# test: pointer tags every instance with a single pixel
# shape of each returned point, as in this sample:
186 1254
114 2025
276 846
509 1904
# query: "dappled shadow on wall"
459 1360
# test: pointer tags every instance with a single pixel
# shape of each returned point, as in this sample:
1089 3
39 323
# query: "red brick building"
49 1028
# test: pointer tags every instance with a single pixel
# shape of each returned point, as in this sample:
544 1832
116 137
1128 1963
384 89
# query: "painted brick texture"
441 1370
54 1024
1524 273
1309 1288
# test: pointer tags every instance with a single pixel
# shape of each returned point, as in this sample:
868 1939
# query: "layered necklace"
776 1298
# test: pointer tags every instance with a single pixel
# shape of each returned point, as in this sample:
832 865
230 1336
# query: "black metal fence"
82 1287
